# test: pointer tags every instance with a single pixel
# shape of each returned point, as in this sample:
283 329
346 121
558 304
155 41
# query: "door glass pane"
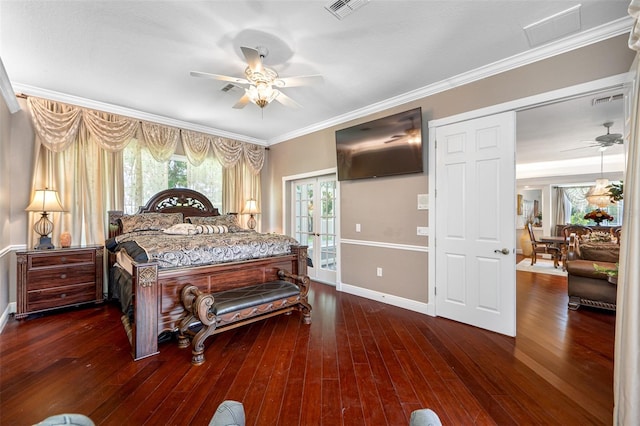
327 227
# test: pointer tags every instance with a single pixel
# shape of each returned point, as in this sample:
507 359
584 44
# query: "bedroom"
310 153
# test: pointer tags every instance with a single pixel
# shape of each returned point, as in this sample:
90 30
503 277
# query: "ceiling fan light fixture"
261 94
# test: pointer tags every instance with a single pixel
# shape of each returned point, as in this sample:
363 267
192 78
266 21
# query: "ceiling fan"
604 141
260 83
610 138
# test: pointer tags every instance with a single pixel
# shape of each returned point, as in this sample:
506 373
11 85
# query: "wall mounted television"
387 146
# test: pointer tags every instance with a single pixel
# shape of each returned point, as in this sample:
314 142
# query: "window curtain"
626 384
560 216
239 184
79 153
78 156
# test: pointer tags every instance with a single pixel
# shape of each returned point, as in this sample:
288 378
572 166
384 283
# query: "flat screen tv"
384 147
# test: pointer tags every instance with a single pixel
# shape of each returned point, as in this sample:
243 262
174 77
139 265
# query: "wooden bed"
156 292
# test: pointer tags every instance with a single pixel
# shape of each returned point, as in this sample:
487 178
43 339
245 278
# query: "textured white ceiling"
138 54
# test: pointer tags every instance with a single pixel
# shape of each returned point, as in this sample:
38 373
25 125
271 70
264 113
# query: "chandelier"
599 195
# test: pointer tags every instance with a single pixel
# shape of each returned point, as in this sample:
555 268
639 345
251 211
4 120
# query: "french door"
314 224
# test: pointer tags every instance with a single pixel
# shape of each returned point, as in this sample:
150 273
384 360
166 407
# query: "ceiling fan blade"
303 80
286 101
242 102
582 147
219 77
253 58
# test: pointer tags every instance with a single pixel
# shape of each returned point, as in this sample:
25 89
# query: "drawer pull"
63 295
63 276
63 259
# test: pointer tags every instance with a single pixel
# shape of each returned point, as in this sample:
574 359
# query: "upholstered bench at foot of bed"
228 309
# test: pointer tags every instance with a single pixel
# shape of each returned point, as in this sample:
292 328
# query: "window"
144 176
575 196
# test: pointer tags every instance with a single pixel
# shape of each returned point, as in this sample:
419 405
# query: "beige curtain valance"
58 124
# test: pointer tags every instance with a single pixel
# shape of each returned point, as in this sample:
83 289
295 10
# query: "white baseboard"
401 302
11 308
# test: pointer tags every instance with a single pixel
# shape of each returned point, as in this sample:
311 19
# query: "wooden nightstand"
51 279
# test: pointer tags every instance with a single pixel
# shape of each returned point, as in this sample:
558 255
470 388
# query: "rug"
542 266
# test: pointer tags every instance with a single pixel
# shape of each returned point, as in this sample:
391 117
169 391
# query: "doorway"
620 82
314 224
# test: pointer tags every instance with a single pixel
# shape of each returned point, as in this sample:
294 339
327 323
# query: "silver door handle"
503 251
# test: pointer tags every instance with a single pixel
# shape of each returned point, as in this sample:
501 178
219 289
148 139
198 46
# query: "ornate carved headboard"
177 200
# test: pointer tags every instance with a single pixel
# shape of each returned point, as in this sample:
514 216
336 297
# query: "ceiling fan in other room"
610 138
261 84
604 141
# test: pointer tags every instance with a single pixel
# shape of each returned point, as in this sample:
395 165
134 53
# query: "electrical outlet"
379 272
358 227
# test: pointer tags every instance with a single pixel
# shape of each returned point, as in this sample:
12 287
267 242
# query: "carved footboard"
156 292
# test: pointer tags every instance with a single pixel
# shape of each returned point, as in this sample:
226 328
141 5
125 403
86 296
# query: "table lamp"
44 201
251 208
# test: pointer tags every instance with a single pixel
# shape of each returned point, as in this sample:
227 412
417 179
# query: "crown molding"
603 32
7 90
130 112
594 35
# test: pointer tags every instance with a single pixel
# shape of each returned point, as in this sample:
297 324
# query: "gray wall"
16 165
386 207
5 206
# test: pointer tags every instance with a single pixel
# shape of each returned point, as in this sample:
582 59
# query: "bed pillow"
228 220
211 229
182 229
149 221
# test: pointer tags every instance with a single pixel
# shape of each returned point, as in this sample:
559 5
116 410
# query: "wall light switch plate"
423 230
358 228
423 201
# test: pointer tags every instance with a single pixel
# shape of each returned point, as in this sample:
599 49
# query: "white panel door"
475 215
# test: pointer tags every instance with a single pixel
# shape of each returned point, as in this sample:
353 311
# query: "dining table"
558 241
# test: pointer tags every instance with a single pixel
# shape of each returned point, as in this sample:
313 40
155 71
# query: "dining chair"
542 248
579 230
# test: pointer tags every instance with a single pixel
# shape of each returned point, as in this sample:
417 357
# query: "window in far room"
575 197
144 176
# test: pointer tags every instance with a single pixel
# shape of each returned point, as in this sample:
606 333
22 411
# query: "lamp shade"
251 207
599 195
45 200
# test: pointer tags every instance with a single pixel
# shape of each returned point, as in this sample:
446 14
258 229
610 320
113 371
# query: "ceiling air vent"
342 8
554 27
606 99
229 87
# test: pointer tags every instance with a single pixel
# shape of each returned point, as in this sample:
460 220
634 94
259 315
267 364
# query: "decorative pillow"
228 220
598 237
211 229
182 229
149 221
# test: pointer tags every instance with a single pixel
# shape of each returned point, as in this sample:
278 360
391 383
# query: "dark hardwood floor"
360 363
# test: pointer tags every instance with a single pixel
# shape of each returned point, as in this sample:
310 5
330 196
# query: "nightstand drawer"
67 258
60 296
52 279
60 276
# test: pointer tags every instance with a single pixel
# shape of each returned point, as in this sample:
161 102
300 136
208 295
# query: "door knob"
503 251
